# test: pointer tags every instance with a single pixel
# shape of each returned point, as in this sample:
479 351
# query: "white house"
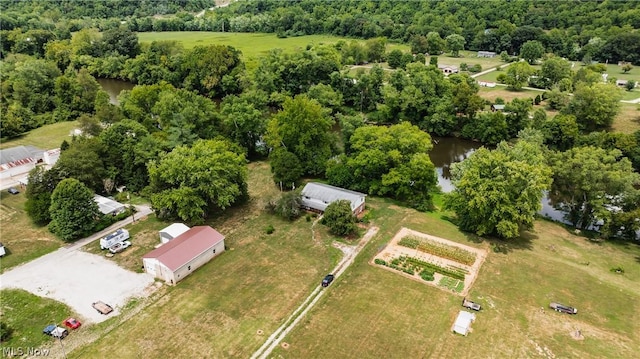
50 157
317 196
448 69
172 231
178 258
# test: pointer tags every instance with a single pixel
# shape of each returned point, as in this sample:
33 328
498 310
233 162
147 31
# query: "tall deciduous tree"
517 75
339 218
531 51
589 181
498 192
73 210
555 69
594 106
455 43
303 128
189 182
390 161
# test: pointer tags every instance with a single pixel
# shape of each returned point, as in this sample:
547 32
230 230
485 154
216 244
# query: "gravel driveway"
78 279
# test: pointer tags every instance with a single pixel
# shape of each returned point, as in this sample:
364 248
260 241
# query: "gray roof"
107 205
319 195
18 153
498 107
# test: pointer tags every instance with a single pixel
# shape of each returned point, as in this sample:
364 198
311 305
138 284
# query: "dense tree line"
364 130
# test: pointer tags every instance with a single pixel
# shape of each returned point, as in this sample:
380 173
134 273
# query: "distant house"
178 258
449 69
486 54
172 231
108 206
19 160
317 196
51 157
497 107
621 82
486 84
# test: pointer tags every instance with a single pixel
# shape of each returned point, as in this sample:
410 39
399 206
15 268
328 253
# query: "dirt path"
350 253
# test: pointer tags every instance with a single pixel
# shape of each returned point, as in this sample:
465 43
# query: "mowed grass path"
370 312
252 45
217 311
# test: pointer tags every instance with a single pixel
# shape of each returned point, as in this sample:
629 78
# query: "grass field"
470 58
252 45
492 94
631 95
370 312
616 71
27 315
628 119
45 137
22 239
218 310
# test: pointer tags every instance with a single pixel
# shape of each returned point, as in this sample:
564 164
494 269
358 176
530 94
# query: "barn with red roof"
178 258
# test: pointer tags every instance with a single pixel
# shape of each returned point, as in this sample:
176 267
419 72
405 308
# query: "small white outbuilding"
172 231
463 322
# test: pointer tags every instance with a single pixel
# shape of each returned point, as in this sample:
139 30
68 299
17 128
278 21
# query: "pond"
449 150
114 87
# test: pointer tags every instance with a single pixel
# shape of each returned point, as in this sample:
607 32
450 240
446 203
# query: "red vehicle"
72 323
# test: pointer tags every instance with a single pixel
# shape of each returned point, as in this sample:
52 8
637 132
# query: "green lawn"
631 95
470 58
628 119
217 311
252 45
23 240
371 312
27 315
46 137
616 71
501 91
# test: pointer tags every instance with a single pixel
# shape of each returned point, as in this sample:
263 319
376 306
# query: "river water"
449 150
114 87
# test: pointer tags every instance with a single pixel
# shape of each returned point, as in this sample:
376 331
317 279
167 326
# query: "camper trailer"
118 236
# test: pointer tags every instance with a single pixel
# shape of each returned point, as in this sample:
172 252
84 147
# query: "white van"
2 251
116 237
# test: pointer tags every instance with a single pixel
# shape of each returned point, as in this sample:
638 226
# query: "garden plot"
432 260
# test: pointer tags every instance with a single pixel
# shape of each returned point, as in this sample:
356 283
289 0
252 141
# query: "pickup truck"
102 307
55 331
471 305
563 308
119 247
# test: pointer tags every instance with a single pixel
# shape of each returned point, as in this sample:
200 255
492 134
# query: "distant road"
219 3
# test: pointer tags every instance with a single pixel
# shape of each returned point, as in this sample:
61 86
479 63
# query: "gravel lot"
78 279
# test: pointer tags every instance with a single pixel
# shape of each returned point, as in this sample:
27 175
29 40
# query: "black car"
13 190
327 280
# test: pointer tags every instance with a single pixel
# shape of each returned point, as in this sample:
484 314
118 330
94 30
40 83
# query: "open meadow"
470 58
45 137
371 312
252 45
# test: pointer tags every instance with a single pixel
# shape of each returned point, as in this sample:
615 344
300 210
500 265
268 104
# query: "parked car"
327 280
471 305
13 190
72 323
102 307
119 247
55 331
2 250
563 308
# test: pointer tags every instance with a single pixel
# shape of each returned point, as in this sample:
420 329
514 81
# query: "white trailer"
118 236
